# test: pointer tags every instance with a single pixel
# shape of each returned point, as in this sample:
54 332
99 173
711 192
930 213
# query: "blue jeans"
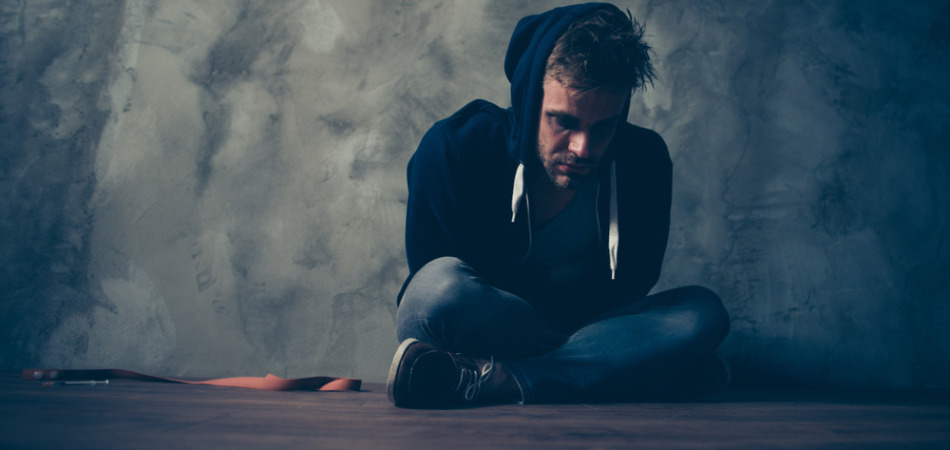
621 354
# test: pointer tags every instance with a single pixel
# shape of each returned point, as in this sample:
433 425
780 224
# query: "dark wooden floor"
136 414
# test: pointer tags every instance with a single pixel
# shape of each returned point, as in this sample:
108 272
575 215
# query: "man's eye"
565 123
604 129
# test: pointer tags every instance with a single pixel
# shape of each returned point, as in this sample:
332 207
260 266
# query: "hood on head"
525 63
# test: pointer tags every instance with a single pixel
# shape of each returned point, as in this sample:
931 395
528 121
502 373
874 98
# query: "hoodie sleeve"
433 191
645 189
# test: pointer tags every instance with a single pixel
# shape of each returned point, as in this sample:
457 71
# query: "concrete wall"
217 188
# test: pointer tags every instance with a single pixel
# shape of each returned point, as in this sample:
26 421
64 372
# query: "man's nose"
579 145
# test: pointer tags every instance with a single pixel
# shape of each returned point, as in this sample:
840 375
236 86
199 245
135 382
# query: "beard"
565 181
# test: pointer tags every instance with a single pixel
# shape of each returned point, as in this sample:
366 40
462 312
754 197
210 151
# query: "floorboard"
137 414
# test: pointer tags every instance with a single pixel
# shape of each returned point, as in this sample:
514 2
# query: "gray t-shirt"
561 246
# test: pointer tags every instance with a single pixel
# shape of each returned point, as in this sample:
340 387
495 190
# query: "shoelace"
472 379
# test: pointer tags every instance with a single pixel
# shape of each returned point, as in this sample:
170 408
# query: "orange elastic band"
270 382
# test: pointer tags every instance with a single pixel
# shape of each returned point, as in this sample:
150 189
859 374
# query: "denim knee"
434 284
709 319
432 297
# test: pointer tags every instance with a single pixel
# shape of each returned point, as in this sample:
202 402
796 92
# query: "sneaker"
720 375
424 376
704 379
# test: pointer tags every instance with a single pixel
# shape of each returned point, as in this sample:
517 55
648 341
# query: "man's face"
574 131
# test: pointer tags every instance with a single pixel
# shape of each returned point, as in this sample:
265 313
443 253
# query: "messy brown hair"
602 49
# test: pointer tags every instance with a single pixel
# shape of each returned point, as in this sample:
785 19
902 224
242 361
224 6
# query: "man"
535 233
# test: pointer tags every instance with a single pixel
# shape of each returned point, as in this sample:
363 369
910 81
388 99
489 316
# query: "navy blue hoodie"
466 196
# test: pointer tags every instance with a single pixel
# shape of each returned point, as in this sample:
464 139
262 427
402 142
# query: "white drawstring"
517 193
613 233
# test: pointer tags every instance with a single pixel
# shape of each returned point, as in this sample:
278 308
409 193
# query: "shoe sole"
394 368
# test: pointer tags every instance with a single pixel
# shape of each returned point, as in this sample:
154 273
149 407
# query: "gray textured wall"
217 188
